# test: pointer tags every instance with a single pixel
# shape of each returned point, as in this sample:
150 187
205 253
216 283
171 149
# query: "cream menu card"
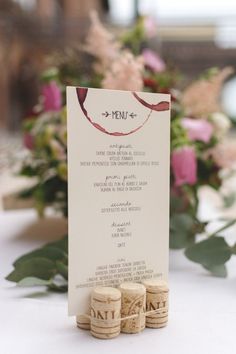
118 185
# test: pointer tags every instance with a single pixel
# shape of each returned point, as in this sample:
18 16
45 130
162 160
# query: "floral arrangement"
200 154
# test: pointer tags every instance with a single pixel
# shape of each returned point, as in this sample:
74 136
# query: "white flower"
58 151
224 155
221 123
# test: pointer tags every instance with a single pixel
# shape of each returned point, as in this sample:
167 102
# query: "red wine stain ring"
82 94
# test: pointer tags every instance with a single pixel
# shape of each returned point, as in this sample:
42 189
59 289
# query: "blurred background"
193 36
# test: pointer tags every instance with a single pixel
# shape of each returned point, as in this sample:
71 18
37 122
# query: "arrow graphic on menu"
106 114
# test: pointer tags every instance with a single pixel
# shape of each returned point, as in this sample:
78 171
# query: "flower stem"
226 226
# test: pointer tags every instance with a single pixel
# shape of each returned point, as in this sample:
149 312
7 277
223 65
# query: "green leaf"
181 230
33 281
218 270
211 252
233 249
27 192
62 269
36 267
28 171
229 200
58 289
51 253
176 204
61 244
50 74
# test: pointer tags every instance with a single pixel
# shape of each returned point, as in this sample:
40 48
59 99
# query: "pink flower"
101 44
52 99
153 61
198 129
201 98
184 165
150 26
125 73
28 141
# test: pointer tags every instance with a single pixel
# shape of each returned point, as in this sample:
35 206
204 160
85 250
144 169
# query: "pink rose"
153 61
184 166
198 129
52 99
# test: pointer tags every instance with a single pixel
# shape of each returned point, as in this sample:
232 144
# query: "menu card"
118 185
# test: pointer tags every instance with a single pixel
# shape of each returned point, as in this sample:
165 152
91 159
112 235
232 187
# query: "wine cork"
105 312
83 322
133 301
156 298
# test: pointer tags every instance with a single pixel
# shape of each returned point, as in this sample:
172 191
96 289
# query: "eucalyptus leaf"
62 269
179 239
181 230
233 249
176 204
211 252
33 281
217 270
61 244
229 200
51 253
36 267
58 288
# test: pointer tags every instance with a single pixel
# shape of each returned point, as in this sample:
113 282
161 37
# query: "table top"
202 314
